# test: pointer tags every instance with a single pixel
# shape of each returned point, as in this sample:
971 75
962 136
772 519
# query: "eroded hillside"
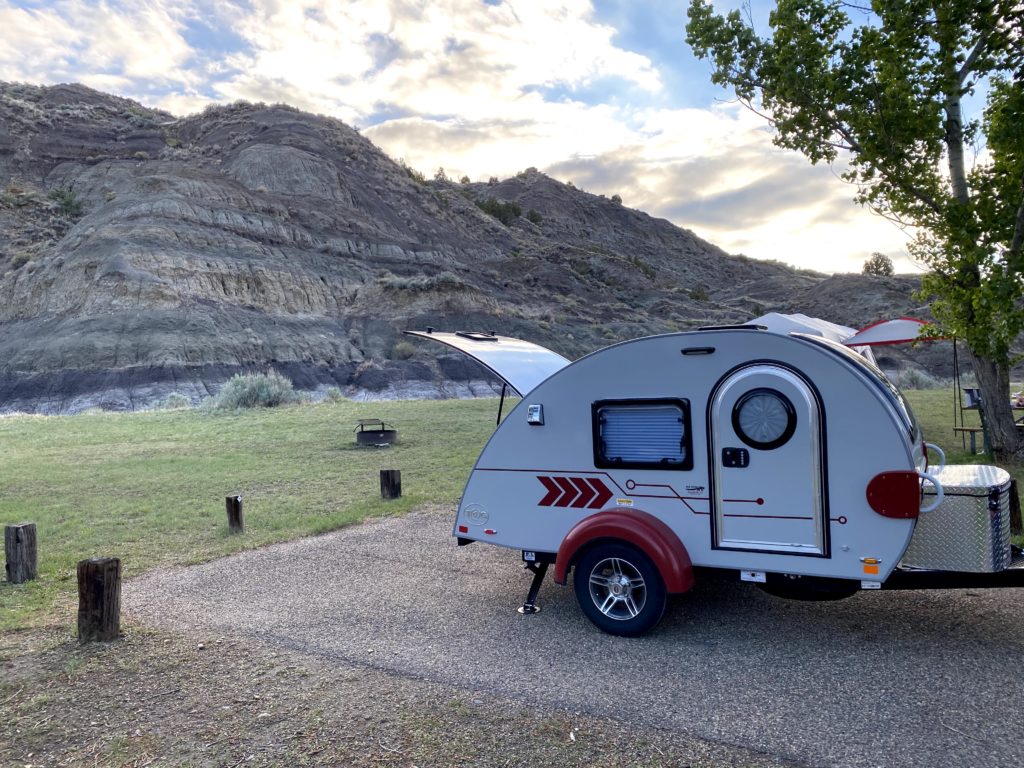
142 254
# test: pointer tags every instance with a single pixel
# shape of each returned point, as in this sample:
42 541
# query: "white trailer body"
733 448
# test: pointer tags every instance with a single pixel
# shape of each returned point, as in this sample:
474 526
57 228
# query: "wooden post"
20 549
99 599
236 519
390 483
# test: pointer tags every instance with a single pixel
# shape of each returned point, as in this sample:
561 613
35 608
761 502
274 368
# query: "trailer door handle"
735 457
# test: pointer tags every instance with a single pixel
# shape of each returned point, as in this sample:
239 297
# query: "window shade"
643 434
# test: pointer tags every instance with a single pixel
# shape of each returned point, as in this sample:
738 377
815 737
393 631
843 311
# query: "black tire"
619 589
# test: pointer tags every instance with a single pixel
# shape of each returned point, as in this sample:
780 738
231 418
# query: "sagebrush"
255 390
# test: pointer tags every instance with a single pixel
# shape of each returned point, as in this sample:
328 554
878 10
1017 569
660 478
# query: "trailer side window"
642 434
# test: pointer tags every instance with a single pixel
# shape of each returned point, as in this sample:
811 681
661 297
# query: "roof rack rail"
742 326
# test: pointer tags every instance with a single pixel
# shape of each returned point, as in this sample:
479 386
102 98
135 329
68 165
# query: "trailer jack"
538 570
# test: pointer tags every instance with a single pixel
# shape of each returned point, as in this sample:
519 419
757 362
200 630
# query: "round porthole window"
764 419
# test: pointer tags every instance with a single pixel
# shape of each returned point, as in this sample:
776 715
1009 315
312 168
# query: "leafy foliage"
68 202
879 265
885 93
255 390
412 173
505 212
534 216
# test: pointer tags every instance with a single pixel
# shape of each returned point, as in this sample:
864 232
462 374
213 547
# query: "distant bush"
700 293
617 199
440 175
333 395
492 181
402 350
439 282
175 401
879 265
412 173
648 271
534 216
255 390
505 212
67 201
464 180
915 378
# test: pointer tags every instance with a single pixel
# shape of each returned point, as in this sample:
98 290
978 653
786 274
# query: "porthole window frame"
787 432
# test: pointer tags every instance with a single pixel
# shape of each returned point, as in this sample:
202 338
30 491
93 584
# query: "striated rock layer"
142 254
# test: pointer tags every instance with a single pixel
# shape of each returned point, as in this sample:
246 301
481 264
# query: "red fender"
642 530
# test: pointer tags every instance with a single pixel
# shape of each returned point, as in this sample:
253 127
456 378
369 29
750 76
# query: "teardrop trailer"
783 459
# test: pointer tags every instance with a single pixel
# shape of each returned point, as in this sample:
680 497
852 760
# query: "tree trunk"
996 410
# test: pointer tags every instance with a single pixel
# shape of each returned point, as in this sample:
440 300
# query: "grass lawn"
149 487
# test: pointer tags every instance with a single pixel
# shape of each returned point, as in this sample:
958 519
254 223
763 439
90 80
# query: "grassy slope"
149 488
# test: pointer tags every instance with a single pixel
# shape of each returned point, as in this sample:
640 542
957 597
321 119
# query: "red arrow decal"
569 491
603 494
586 492
553 491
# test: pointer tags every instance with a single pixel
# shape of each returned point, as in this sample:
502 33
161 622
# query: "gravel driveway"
881 679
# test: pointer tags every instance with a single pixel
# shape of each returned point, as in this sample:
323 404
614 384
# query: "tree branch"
972 57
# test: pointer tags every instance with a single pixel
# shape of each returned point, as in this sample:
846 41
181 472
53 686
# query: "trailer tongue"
777 458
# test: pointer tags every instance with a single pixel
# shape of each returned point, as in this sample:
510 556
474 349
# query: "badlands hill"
143 254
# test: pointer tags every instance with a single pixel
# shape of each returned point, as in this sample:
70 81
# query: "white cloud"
477 88
72 40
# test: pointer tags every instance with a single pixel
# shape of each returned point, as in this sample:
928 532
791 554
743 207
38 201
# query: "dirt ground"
158 699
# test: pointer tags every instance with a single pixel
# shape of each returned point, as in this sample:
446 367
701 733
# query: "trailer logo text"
575 492
475 514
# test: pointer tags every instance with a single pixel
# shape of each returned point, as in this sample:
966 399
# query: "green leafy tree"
879 265
882 88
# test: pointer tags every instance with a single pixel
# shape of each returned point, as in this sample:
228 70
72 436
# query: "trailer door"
768 487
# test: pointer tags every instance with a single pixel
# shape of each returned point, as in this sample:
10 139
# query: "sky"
604 93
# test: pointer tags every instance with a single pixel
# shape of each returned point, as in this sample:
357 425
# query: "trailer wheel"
619 589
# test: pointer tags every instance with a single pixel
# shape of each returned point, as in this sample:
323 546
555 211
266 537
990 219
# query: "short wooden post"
236 519
99 599
20 549
390 483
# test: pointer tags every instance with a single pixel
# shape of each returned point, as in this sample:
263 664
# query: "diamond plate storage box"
970 531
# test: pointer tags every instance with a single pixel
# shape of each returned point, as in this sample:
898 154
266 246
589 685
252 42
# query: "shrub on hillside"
504 212
443 281
534 216
67 202
174 401
255 390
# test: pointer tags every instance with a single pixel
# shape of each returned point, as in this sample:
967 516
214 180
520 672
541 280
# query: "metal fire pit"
374 432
